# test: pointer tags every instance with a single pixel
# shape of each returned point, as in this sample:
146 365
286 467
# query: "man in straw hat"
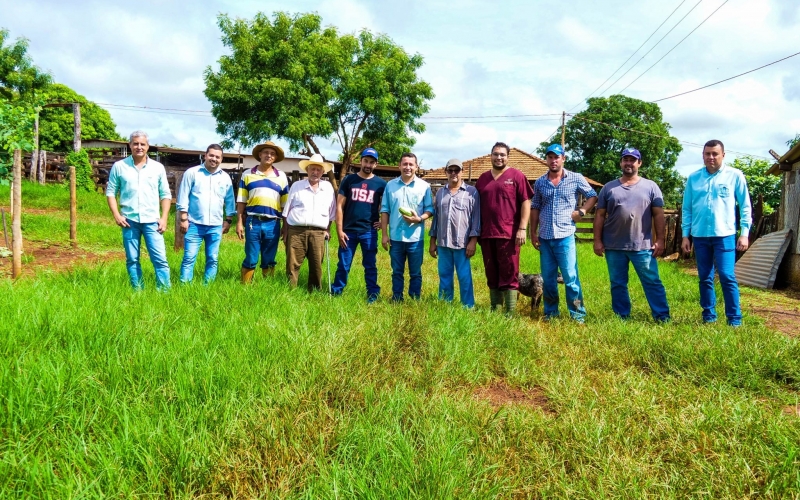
357 221
309 211
262 194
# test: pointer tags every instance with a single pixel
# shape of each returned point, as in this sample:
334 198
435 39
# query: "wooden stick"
5 228
42 167
73 208
16 217
35 153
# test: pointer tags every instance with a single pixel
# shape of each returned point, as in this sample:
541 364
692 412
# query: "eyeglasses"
453 170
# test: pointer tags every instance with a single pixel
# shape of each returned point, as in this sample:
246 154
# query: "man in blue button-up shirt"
709 217
204 198
141 184
408 192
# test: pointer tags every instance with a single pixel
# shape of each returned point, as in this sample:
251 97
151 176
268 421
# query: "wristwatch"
229 220
582 212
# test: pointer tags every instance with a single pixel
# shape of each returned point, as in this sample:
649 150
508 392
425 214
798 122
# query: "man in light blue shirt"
141 184
204 198
709 217
410 193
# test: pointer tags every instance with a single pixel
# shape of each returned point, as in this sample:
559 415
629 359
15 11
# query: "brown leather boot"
268 272
247 275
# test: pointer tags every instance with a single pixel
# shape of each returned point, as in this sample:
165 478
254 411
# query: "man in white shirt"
309 211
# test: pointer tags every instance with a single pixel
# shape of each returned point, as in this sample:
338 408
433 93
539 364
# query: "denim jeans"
261 237
646 268
718 253
560 254
369 252
195 235
154 242
451 260
399 251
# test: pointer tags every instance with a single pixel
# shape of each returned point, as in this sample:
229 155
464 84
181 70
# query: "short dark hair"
409 154
501 145
214 146
714 143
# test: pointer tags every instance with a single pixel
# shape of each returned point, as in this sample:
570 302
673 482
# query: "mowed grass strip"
265 391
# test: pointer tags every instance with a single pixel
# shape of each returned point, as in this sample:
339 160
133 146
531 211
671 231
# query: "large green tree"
288 77
56 125
596 136
19 78
759 182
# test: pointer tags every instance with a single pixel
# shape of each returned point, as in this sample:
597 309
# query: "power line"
487 116
693 144
673 48
653 47
150 107
630 56
497 121
727 79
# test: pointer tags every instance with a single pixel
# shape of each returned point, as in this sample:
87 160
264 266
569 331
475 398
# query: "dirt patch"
499 394
792 410
779 308
39 256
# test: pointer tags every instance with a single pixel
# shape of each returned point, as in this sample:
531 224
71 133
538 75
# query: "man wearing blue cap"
357 220
629 228
553 215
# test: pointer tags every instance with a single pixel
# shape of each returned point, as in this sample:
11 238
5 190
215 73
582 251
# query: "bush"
83 169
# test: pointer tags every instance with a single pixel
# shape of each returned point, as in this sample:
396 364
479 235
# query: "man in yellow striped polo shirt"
263 191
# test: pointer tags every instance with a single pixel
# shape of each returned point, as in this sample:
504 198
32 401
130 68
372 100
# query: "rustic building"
788 166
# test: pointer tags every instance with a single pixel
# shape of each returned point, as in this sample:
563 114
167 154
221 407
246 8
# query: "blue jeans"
399 251
154 242
369 252
197 234
646 268
558 254
261 237
720 253
451 260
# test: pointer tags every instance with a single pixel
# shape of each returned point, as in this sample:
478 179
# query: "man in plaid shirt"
554 215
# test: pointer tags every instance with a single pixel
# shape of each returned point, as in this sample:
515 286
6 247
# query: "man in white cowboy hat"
309 211
262 195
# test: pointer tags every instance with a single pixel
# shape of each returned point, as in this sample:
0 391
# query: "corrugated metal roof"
759 265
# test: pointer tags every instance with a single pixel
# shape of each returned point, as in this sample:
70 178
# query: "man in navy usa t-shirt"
357 219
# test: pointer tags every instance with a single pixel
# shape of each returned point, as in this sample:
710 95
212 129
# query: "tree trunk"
42 167
16 217
35 154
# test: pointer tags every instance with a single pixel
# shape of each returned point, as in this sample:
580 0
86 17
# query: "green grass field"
265 391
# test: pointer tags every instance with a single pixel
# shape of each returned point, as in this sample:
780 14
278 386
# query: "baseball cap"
555 148
454 162
631 152
370 152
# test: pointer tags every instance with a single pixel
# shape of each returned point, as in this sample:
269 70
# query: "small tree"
596 136
759 182
19 78
56 125
16 132
288 77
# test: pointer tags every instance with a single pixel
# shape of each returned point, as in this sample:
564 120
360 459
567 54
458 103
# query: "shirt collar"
203 167
130 163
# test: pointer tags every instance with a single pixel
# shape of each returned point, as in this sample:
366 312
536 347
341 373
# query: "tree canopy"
596 136
56 124
759 182
19 78
288 77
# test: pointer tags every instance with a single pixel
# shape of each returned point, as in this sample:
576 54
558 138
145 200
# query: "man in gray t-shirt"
629 227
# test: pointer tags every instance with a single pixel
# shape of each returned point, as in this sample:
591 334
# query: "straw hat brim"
279 156
326 167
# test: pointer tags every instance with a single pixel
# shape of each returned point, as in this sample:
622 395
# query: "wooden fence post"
16 217
35 154
179 238
73 208
42 167
76 113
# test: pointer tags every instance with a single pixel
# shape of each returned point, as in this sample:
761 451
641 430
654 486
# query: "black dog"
530 285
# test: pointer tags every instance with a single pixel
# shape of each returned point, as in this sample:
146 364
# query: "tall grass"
267 391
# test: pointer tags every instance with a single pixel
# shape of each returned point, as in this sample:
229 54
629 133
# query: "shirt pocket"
221 189
723 191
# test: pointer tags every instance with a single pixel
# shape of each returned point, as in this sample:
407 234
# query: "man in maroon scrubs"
505 207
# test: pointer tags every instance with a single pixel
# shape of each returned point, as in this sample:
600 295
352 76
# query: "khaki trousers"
305 241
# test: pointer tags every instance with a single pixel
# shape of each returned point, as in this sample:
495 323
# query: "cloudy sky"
524 58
